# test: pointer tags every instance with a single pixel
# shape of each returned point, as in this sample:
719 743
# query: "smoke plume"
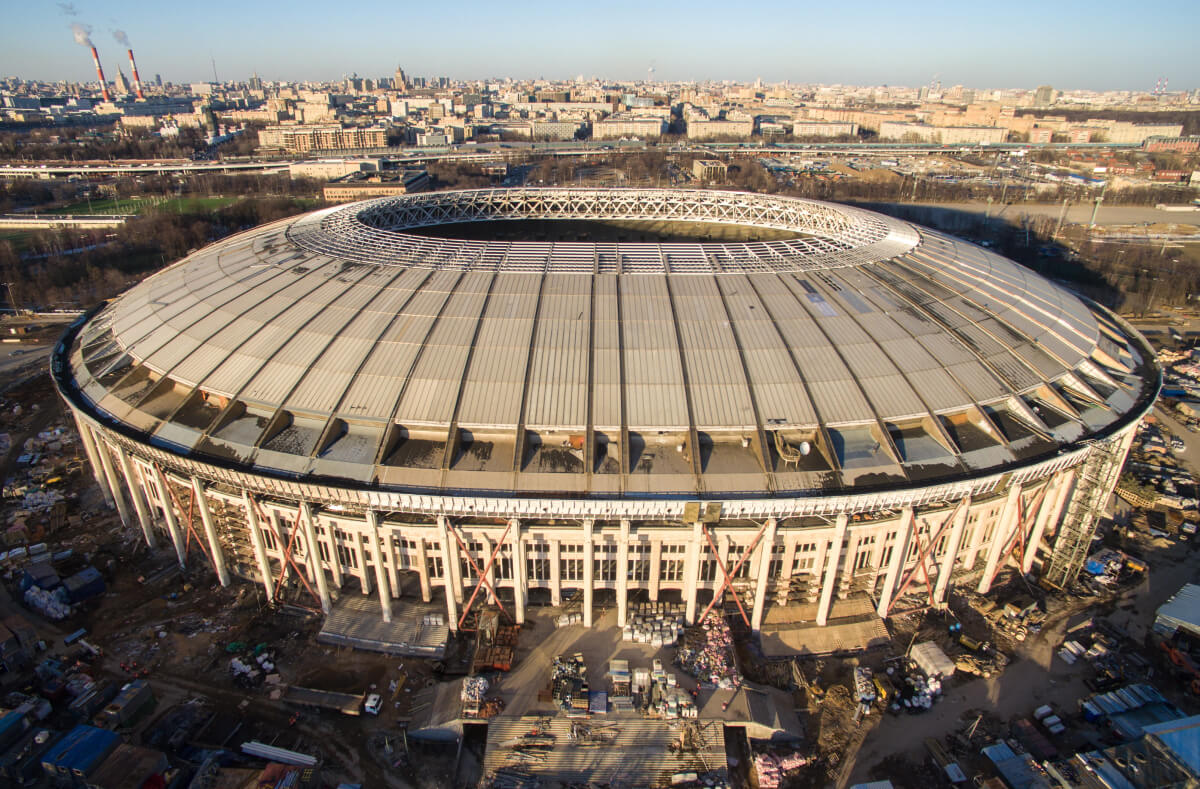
82 33
68 9
121 38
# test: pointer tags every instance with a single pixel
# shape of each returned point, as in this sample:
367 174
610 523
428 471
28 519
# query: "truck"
345 703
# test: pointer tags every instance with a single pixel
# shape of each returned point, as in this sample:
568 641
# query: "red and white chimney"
100 74
137 81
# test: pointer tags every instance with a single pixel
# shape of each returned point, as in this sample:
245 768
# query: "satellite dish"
805 448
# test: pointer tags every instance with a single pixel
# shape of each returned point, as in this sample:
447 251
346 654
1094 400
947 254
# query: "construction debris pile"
707 654
656 624
771 769
476 703
568 683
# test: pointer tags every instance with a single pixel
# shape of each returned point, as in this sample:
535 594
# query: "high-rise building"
1044 96
122 81
401 80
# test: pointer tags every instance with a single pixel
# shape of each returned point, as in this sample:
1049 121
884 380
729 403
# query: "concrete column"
260 547
423 568
655 569
111 475
951 555
89 447
1000 534
315 564
210 532
623 574
762 568
899 554
449 560
381 582
168 507
849 556
390 562
831 567
691 570
555 572
520 571
138 495
589 572
1050 505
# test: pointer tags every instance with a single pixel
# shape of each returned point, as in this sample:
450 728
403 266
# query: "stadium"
530 395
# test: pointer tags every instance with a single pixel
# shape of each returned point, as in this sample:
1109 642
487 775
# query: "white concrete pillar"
168 508
89 447
1051 502
833 555
260 547
520 578
114 485
655 581
210 532
555 572
899 554
951 555
589 572
762 570
691 569
449 560
315 564
423 568
623 574
133 485
1004 528
381 582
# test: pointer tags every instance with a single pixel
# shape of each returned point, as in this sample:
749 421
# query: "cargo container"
128 765
21 764
134 697
12 725
84 585
40 575
79 753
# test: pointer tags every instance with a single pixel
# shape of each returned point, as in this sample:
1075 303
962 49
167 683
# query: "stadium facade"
364 398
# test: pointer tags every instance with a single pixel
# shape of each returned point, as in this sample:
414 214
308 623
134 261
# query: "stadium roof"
866 351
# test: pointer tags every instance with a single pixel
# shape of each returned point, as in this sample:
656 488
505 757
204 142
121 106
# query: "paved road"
1077 213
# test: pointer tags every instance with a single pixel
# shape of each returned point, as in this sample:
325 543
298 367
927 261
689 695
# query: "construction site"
397 509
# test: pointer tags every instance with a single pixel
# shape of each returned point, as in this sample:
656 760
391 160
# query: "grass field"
141 205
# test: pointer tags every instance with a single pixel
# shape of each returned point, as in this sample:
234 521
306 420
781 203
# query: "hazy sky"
1098 44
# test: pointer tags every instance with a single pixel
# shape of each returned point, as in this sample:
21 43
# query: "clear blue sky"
1098 44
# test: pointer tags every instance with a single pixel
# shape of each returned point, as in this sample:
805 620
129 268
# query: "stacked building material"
707 653
771 768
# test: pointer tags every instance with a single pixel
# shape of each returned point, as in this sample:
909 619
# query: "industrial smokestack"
83 37
137 81
100 74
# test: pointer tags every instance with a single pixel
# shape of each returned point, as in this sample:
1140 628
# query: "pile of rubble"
707 654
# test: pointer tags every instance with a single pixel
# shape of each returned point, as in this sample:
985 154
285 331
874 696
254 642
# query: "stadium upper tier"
862 352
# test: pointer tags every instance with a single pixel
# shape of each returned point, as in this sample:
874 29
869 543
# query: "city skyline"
1070 45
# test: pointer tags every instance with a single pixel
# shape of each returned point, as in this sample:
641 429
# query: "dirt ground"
895 745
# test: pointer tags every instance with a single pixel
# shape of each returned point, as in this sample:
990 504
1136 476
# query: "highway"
497 151
1077 213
